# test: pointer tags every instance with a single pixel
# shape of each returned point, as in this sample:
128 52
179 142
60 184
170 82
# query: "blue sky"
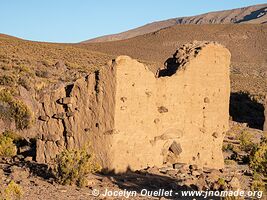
77 20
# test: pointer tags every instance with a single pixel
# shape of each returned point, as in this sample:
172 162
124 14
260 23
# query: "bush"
227 147
25 69
257 183
13 135
7 80
16 110
221 182
11 192
7 146
258 158
229 162
72 166
246 143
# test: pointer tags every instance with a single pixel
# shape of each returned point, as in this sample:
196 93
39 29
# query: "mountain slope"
246 42
252 14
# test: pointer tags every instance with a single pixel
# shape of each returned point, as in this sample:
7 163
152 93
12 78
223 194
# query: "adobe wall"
181 118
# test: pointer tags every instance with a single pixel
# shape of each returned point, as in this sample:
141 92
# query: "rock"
153 170
60 65
70 114
215 135
19 174
28 159
2 174
207 170
193 167
66 100
162 198
190 183
182 171
24 149
18 158
201 183
206 100
248 172
51 137
180 166
214 175
165 169
44 118
176 148
171 172
93 182
156 121
59 115
162 109
234 183
60 143
195 173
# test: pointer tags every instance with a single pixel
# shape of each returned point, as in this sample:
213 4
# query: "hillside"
253 14
36 65
246 42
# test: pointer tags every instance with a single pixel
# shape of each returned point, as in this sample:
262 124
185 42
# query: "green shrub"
221 182
227 147
16 110
7 146
11 192
258 158
73 165
246 143
229 162
13 135
7 80
24 68
21 114
257 183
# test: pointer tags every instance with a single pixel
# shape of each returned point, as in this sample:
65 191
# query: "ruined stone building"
133 119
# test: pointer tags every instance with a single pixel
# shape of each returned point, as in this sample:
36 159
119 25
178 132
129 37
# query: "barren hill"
252 14
246 42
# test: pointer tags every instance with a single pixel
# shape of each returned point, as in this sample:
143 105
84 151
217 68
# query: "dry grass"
34 61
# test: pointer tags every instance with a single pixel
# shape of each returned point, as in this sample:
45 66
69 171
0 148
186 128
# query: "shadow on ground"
36 169
245 110
138 181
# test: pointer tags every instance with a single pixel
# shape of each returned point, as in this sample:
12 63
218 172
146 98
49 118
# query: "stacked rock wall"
70 116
